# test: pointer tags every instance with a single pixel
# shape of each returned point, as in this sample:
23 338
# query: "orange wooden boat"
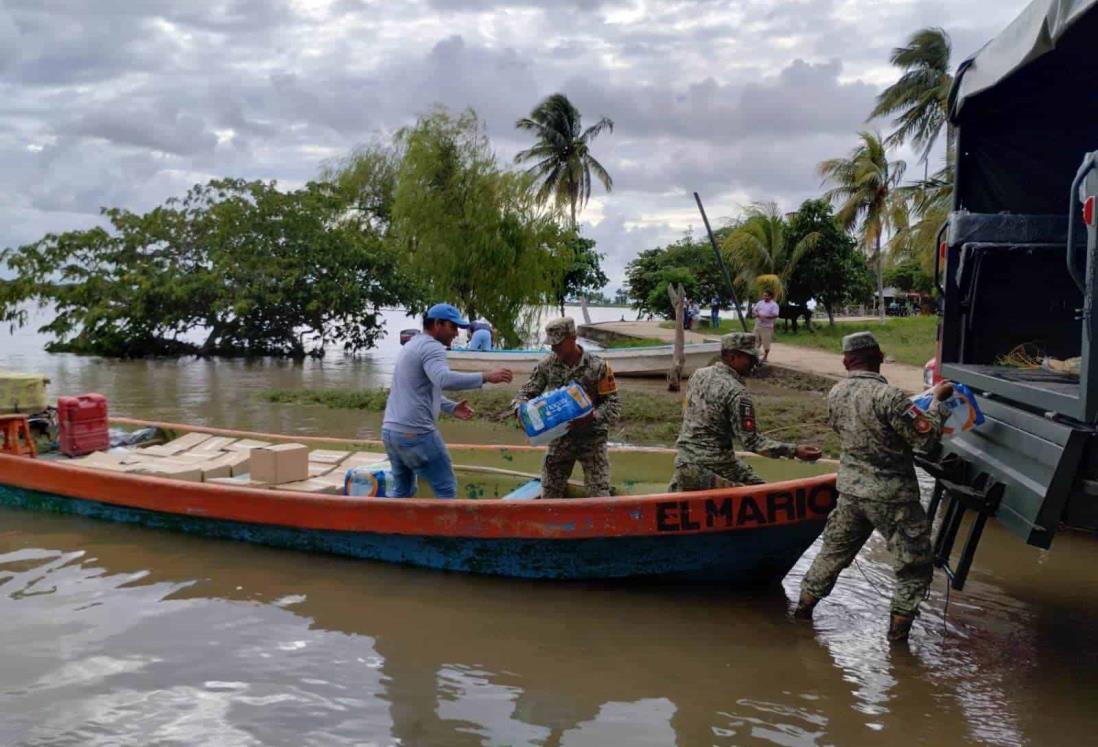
743 535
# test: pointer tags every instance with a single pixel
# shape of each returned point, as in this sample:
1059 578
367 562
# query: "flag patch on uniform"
747 416
607 384
919 420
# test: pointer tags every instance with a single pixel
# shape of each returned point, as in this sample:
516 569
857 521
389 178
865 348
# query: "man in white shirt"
766 311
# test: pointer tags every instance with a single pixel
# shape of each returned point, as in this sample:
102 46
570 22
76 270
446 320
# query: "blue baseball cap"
446 312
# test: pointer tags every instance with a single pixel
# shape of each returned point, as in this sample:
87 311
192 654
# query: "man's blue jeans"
419 454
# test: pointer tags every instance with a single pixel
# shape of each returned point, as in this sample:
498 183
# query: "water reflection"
119 634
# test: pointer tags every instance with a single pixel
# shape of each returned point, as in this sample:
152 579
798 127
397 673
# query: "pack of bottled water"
964 411
546 417
374 481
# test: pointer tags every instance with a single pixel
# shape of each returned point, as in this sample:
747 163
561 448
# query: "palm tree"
919 100
759 250
563 161
866 186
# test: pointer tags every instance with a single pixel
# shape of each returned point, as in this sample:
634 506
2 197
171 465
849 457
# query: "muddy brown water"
122 635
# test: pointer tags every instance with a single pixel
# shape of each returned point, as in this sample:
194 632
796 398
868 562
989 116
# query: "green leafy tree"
584 275
834 273
909 275
685 261
562 158
471 233
865 184
257 271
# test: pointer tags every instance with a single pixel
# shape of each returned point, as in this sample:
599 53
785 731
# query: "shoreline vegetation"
790 406
909 340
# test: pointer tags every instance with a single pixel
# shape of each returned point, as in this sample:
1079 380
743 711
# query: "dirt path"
806 360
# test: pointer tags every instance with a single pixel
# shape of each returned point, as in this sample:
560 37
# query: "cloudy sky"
127 103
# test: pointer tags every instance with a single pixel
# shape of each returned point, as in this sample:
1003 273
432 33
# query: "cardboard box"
239 462
170 469
241 481
328 456
163 450
228 464
316 469
280 463
247 444
311 486
365 459
214 445
335 478
109 461
190 457
178 446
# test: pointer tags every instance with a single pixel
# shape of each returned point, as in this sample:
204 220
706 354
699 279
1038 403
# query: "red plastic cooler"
83 422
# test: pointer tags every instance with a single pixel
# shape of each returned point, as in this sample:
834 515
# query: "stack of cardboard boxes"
198 457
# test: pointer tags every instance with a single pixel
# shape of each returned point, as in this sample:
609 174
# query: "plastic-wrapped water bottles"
964 412
546 418
373 481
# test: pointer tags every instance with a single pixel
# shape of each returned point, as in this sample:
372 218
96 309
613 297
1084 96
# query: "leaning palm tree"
758 248
563 161
919 100
865 184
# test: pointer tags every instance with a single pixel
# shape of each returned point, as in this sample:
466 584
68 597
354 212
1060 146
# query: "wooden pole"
720 263
678 355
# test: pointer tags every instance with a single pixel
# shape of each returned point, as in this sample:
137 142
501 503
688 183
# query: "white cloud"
129 103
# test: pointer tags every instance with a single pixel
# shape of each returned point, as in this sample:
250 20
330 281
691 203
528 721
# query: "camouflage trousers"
561 458
904 527
689 476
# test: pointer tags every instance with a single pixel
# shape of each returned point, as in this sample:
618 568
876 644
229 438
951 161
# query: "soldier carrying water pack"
586 439
878 427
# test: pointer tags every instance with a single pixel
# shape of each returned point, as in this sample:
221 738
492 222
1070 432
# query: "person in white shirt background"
766 312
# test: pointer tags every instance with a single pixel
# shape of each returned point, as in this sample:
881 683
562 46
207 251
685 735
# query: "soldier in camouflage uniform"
586 438
718 413
878 428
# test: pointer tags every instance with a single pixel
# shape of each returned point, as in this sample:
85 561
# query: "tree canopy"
256 270
584 275
471 233
686 262
834 273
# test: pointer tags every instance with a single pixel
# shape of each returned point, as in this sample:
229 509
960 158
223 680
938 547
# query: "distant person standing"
695 314
409 430
766 312
480 336
715 312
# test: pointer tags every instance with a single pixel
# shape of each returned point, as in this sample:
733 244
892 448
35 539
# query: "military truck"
1018 273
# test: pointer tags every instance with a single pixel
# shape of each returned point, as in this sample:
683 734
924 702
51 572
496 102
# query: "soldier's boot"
805 605
899 628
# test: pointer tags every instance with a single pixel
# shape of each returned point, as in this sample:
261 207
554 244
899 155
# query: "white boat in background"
644 361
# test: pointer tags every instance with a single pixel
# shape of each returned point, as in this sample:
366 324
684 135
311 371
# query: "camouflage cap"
743 342
558 330
859 341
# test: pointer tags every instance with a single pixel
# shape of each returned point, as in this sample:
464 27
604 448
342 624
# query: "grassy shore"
790 407
635 342
905 339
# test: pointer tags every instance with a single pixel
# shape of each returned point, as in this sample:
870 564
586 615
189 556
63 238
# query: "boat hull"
628 362
748 535
749 558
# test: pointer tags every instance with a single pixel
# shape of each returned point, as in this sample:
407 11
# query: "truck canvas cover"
1026 116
